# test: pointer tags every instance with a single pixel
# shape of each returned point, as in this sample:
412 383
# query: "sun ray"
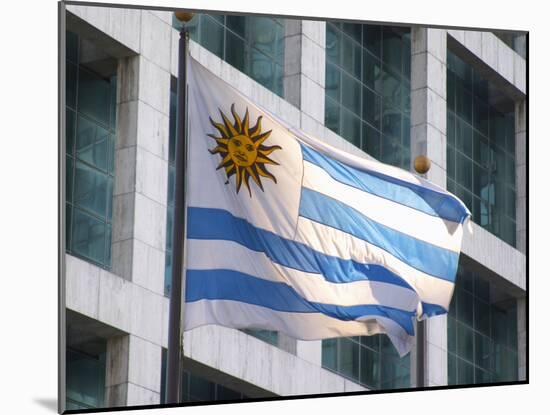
254 175
226 159
220 127
230 170
263 172
266 151
238 122
246 177
228 125
257 128
261 138
241 150
266 160
218 149
240 174
245 123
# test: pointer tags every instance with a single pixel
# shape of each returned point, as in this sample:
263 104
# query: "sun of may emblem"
242 151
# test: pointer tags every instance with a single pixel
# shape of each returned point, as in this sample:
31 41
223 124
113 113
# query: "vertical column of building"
304 72
139 213
304 87
521 225
429 137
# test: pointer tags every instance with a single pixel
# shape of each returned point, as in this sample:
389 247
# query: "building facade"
390 93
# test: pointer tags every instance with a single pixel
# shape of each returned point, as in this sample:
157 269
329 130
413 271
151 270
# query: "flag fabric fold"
285 232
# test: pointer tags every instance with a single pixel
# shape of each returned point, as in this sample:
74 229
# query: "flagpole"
175 332
422 165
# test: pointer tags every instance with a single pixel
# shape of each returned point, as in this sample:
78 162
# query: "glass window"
85 379
252 44
196 388
481 148
481 332
371 361
368 88
90 142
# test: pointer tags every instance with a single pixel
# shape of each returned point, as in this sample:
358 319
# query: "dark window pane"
329 354
351 94
464 171
264 35
348 359
451 334
391 151
370 367
172 127
371 71
332 115
392 49
332 82
353 30
262 68
226 394
211 35
481 116
94 96
372 342
68 225
351 128
391 123
371 107
352 56
465 307
451 91
451 153
451 369
235 51
71 74
90 189
484 352
72 46
69 172
391 88
93 143
465 342
108 233
406 133
88 236
371 141
406 56
70 126
201 389
372 39
482 317
465 373
510 133
237 24
333 44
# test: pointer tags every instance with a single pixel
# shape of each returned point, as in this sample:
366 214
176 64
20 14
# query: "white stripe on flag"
321 238
442 233
312 287
305 326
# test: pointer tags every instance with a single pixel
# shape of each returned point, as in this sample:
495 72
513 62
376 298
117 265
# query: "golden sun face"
242 151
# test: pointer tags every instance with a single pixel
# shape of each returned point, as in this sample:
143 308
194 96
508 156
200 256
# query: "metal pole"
175 332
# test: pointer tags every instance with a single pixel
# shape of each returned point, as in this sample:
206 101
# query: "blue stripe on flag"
431 310
421 255
221 284
208 223
412 195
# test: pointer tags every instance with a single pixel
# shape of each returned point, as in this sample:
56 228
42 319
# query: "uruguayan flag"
287 233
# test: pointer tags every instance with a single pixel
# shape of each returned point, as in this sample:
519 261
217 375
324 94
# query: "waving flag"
287 233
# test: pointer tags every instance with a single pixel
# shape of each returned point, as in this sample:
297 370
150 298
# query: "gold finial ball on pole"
183 16
422 164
